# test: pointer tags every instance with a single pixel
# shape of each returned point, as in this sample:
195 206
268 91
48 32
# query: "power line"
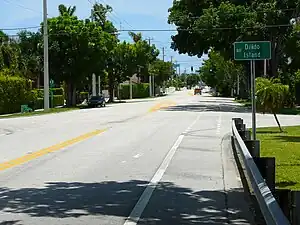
19 28
22 6
210 28
114 12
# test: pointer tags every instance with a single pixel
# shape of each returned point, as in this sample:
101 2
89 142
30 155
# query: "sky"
126 15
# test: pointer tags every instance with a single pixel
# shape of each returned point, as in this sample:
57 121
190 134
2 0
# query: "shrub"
82 95
56 91
58 100
14 92
138 91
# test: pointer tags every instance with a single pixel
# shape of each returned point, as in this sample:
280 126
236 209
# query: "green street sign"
51 83
252 50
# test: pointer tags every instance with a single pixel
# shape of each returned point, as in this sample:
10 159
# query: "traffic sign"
51 83
252 50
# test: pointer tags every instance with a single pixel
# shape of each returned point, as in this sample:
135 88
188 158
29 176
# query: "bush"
138 91
56 91
14 92
82 95
58 100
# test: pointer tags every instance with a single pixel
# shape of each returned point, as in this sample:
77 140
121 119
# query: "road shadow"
10 222
205 107
172 204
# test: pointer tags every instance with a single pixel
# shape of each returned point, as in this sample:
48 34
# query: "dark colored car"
96 101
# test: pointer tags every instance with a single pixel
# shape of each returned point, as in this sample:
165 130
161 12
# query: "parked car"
96 101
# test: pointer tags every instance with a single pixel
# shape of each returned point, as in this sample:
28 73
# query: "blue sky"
130 14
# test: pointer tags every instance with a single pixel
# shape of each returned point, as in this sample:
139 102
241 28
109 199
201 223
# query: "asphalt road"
161 161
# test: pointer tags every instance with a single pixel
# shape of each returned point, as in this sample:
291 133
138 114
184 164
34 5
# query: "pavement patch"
45 151
162 105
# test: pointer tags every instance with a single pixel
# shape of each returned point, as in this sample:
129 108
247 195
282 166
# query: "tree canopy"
79 48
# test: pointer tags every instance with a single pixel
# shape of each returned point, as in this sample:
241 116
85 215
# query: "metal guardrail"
269 207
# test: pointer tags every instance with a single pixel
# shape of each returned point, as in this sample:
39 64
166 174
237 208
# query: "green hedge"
138 91
83 95
14 92
58 100
56 91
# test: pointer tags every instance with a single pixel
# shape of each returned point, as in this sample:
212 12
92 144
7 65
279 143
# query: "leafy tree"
162 71
220 73
192 80
30 60
77 48
218 24
66 10
122 65
271 96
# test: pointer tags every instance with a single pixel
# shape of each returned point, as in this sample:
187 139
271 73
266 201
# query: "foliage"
30 60
58 100
162 71
14 91
193 80
78 48
202 25
219 73
138 91
271 96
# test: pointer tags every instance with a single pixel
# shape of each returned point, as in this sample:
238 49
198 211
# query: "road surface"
152 161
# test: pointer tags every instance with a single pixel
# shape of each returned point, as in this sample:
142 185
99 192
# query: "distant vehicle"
197 91
96 101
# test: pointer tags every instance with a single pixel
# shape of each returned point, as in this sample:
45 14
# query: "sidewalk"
202 184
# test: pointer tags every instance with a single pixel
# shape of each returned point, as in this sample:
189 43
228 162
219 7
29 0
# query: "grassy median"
286 148
37 113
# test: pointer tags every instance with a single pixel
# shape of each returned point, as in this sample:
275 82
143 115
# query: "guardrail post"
247 135
238 123
266 166
253 147
283 197
295 200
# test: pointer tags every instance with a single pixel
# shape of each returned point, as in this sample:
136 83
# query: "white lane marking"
219 124
138 209
137 156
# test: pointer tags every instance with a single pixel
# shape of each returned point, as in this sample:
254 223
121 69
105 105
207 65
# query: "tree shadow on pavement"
200 107
169 204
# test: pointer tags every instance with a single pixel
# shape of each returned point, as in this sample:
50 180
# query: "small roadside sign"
252 50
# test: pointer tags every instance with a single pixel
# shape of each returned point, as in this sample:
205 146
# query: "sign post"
252 51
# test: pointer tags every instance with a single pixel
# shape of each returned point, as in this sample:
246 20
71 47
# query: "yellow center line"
45 151
162 105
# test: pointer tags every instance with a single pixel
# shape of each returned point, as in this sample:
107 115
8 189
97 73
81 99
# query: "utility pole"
163 52
99 85
94 85
150 77
46 56
130 88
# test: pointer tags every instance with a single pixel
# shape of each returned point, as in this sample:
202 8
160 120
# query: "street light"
46 64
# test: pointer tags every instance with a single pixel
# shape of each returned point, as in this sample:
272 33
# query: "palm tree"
66 10
136 37
271 96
